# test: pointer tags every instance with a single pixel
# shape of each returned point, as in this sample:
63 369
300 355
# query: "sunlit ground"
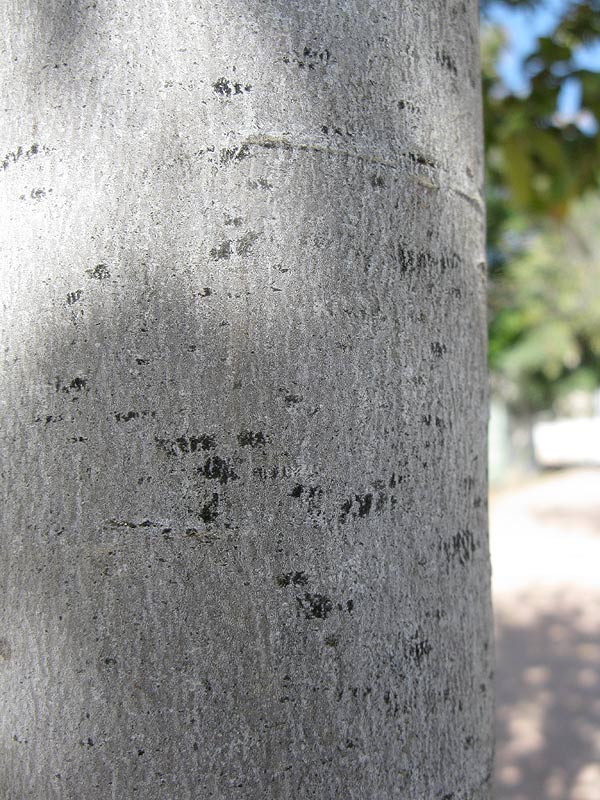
545 539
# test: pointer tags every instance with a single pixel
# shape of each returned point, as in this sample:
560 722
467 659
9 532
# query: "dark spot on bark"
446 61
377 181
119 523
406 105
100 272
310 58
406 260
125 417
326 129
438 349
75 385
423 161
292 399
260 183
460 547
229 154
263 473
418 649
331 640
5 650
48 418
210 511
141 752
203 442
206 292
252 439
291 579
410 261
313 495
195 746
315 606
222 251
141 361
245 244
73 297
364 504
235 221
297 490
19 153
346 506
449 261
110 661
222 87
226 88
217 469
350 606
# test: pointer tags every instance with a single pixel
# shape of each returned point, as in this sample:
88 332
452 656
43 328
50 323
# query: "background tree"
244 535
544 320
545 307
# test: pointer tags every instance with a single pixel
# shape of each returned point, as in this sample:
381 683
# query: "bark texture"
244 549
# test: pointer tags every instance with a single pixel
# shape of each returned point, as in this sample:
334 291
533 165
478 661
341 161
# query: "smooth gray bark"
244 548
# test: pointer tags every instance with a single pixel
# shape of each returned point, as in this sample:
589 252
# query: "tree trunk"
244 546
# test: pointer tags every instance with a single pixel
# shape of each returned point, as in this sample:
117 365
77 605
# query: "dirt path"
546 562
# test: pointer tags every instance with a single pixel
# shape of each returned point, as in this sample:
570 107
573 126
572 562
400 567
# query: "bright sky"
524 26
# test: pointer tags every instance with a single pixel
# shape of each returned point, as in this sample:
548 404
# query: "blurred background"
541 78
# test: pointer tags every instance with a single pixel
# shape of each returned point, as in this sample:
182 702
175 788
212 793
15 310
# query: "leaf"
518 170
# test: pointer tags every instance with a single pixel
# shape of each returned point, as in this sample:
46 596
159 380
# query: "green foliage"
542 161
545 311
543 249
